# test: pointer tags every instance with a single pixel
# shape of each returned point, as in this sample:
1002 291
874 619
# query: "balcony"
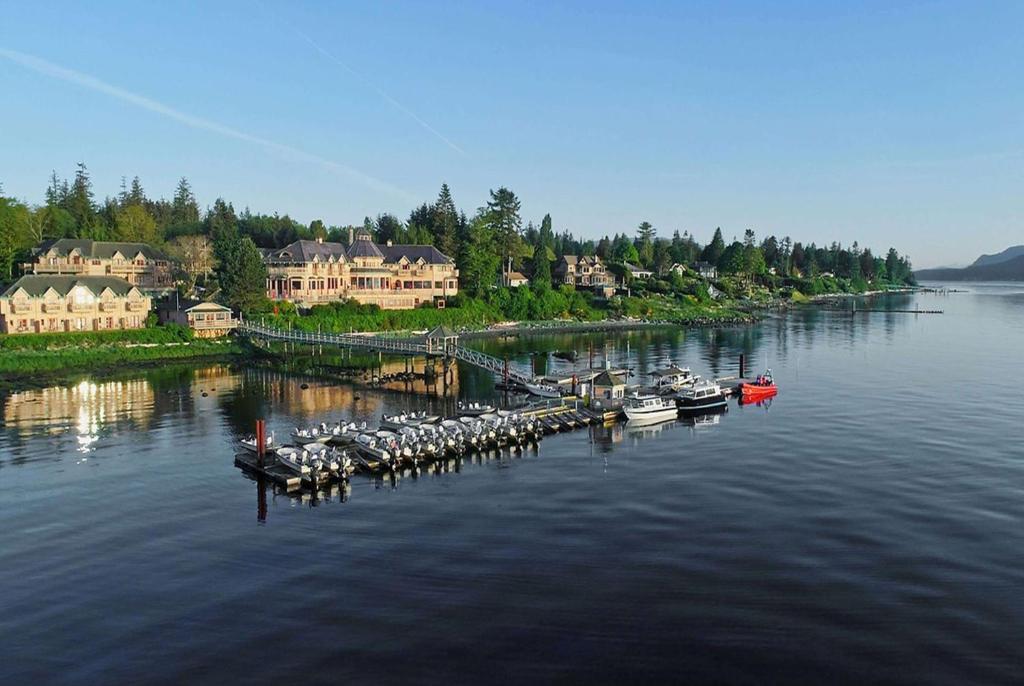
135 305
21 308
108 306
52 307
82 307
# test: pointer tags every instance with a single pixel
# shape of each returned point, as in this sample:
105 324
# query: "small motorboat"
295 459
474 409
567 355
701 397
762 388
648 409
249 443
543 390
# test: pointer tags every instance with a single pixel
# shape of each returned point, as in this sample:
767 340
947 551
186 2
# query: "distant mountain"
1004 256
1006 270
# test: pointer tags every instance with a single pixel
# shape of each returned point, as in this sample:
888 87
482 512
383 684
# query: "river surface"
865 526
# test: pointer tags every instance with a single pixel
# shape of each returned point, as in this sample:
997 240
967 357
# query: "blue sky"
890 123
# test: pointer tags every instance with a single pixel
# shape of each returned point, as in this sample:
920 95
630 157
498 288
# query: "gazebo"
441 340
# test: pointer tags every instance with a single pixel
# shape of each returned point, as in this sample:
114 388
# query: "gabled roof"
440 332
428 253
188 304
607 378
634 268
670 371
516 276
584 259
36 285
100 250
703 265
304 251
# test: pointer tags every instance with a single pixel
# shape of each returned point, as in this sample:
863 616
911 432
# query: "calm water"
868 525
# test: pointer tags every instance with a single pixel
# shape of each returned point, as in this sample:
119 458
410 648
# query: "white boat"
295 459
673 378
319 434
543 390
474 409
372 447
648 409
250 443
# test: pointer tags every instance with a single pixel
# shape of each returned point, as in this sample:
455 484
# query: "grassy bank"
29 356
526 305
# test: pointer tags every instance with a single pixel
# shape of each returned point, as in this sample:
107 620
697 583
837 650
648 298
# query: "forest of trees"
218 245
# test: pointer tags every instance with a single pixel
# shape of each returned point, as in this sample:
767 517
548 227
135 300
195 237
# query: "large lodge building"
139 264
390 276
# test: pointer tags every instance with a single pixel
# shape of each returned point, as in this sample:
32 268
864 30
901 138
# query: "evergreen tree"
645 244
184 208
540 267
445 222
241 273
79 202
546 235
479 261
502 216
713 251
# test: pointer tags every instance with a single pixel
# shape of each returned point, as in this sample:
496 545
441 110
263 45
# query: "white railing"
394 344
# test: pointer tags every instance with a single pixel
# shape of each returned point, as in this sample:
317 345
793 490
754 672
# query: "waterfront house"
206 319
390 276
43 303
678 268
586 271
637 272
706 270
139 264
609 385
516 279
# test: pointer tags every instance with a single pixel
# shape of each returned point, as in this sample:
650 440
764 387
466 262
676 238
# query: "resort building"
137 263
44 303
206 319
391 276
587 271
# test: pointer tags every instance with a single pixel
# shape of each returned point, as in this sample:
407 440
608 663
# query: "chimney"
319 239
389 242
351 238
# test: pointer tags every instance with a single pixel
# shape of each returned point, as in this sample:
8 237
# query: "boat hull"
701 404
752 393
651 417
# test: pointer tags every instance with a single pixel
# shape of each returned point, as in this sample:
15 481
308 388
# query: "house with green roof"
139 264
51 303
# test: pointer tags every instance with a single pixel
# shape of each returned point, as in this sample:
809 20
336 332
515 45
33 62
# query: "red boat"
762 388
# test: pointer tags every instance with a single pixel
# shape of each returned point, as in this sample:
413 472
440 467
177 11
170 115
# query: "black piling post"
743 366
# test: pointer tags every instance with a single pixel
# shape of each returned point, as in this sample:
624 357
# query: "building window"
438 285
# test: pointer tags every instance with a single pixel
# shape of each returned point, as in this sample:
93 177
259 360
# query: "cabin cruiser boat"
673 378
647 409
700 397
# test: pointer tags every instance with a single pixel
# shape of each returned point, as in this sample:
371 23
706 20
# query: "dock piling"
743 366
261 441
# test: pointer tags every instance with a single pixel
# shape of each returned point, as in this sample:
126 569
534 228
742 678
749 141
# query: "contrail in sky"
394 103
46 68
